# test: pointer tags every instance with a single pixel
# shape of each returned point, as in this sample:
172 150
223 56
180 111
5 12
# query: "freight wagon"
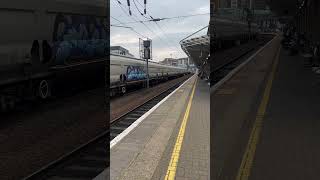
126 71
50 44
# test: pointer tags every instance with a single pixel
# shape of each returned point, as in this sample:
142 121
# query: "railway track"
120 124
91 159
84 163
124 120
124 105
229 59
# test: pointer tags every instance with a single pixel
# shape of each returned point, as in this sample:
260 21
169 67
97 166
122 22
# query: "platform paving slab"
289 141
194 159
233 108
137 155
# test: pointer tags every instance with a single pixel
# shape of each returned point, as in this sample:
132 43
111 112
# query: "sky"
165 40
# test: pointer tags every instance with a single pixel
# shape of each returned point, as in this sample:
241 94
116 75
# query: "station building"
120 51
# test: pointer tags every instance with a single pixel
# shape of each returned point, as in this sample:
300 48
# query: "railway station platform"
172 140
266 119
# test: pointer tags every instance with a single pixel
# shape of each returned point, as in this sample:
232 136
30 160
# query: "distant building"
120 51
182 62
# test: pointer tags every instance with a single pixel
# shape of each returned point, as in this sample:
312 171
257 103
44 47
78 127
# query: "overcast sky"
164 45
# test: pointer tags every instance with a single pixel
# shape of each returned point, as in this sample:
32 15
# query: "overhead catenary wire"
156 36
136 20
123 10
127 27
132 30
166 18
128 1
134 2
163 32
145 6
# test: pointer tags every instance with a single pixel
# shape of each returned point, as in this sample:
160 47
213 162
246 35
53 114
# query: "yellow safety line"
172 168
247 160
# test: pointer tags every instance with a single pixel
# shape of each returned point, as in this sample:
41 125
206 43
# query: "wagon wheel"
123 89
44 89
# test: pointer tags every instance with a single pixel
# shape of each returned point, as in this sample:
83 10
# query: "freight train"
126 71
50 44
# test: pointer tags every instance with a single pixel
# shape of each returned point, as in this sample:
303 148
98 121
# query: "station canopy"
197 47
